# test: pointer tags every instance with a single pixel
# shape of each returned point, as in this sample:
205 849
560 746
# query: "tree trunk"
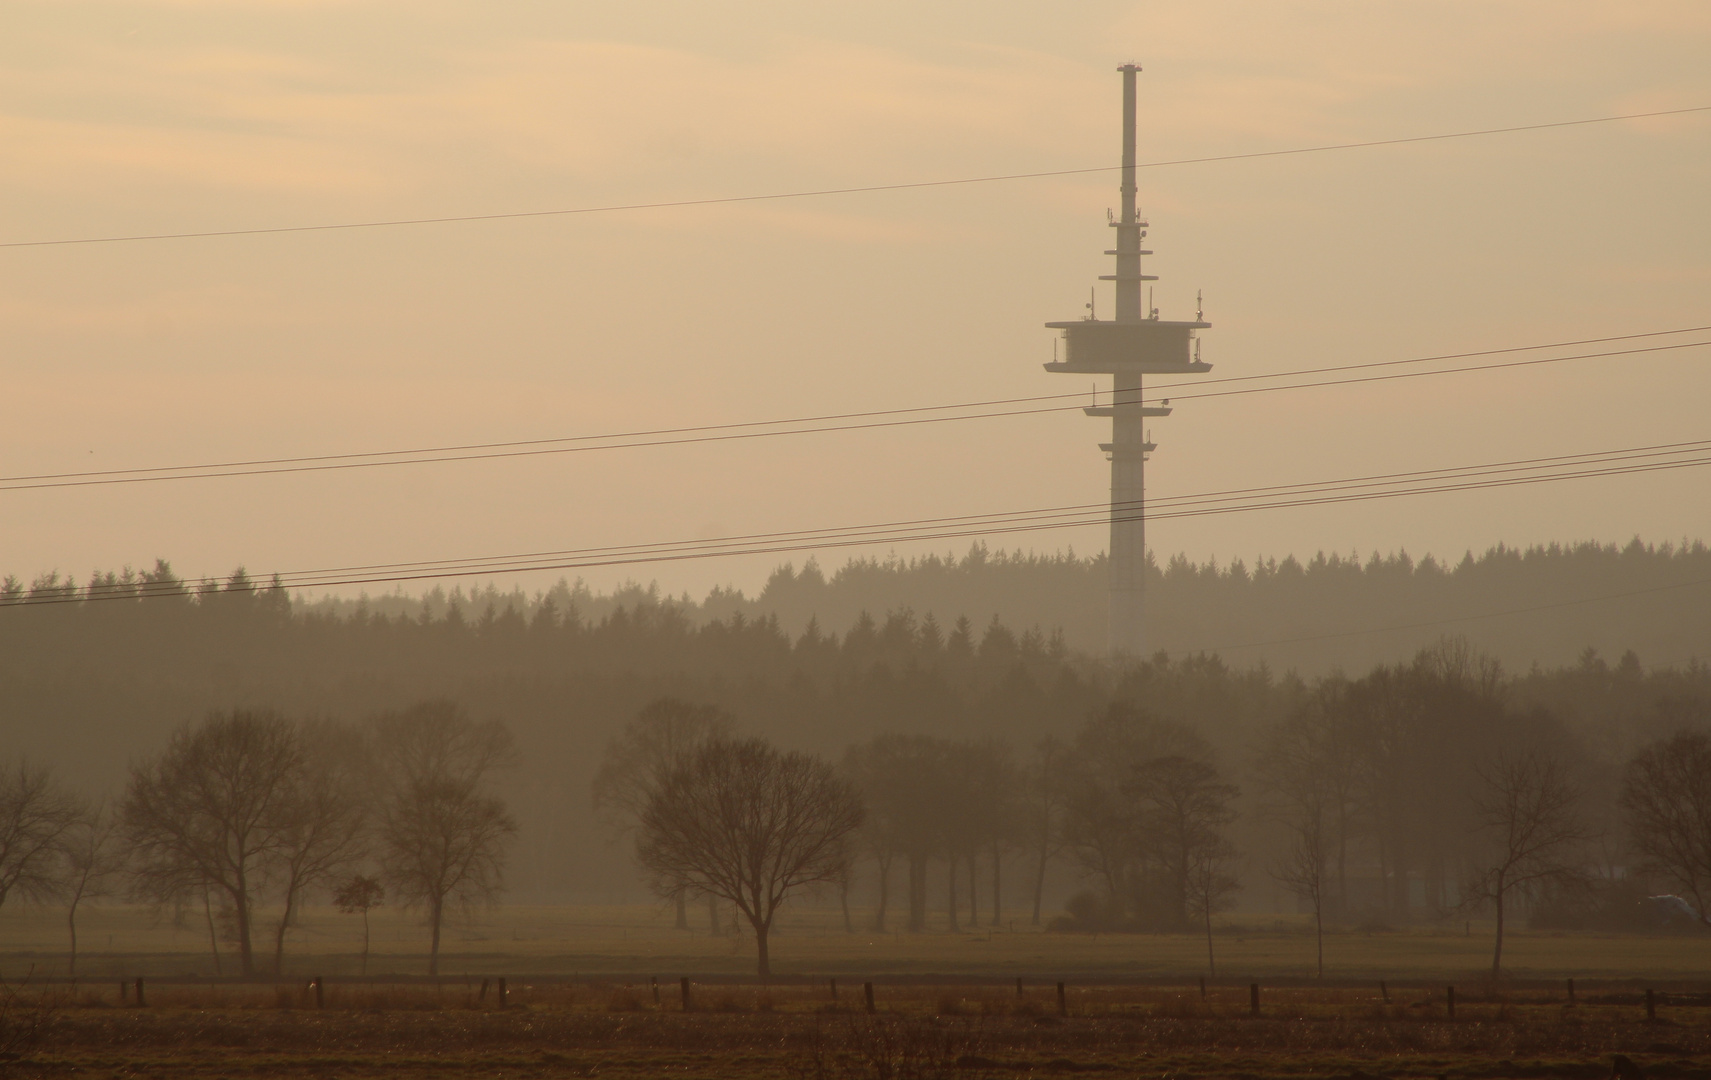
1319 926
1039 884
682 903
279 938
213 934
1497 953
844 900
973 896
365 943
1399 884
951 902
1343 863
884 894
718 930
241 904
765 965
71 922
997 903
917 893
435 908
1211 964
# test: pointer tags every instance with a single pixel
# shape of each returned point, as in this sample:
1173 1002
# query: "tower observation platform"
1133 344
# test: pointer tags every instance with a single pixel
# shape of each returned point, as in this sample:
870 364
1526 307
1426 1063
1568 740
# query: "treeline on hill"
1427 789
1540 604
94 684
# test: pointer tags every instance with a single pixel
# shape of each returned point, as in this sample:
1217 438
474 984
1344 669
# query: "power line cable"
1100 509
822 192
736 432
1608 463
1198 383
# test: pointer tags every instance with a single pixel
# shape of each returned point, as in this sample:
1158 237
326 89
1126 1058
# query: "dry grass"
921 1032
522 941
610 1025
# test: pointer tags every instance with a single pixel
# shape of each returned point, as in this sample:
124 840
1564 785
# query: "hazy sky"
145 117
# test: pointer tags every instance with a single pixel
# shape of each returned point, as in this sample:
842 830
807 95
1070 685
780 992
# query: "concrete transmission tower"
1133 344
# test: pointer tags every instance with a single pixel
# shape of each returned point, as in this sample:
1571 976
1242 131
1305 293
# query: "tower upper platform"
1147 347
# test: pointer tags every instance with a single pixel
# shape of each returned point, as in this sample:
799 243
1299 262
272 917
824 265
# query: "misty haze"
558 542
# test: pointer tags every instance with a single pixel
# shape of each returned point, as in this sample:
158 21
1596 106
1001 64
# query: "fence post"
1450 1000
867 990
320 995
1651 1005
684 986
1384 991
834 989
1062 1001
1253 999
142 1001
481 998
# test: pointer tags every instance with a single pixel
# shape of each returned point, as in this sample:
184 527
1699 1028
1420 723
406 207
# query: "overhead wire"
822 424
1024 522
1314 493
1099 509
856 190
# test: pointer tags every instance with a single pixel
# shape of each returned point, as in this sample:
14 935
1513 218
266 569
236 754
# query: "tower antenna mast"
1134 343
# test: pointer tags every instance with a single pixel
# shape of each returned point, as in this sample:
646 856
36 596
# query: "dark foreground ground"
930 1032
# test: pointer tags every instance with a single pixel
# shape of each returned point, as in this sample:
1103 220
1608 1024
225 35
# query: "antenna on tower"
1132 346
1199 306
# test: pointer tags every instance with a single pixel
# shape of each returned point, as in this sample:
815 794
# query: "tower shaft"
1128 347
1126 626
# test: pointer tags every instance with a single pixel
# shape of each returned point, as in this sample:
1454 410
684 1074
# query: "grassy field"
583 1002
605 1029
598 941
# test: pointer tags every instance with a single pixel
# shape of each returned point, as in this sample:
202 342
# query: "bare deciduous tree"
1042 810
1105 829
35 816
660 738
1301 869
747 823
1184 810
211 812
1529 810
1666 804
895 778
1210 888
323 828
442 836
1310 767
1308 793
360 894
91 860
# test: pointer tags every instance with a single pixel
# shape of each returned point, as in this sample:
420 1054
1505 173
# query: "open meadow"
596 991
811 941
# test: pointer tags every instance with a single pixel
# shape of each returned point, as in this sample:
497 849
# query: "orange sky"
120 118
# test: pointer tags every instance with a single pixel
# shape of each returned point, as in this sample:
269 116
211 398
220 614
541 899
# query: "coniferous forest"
95 677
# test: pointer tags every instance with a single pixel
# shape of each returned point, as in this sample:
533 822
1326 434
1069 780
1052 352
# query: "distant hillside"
1539 605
